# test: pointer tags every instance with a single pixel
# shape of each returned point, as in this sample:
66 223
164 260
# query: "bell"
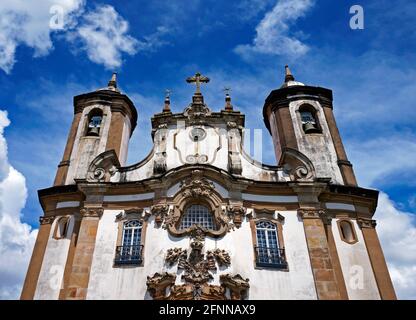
309 127
94 131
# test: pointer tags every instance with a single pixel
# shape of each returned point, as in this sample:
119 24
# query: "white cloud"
101 32
27 22
104 36
16 238
397 232
376 160
273 34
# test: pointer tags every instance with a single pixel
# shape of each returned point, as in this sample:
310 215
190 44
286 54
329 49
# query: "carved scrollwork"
297 165
103 167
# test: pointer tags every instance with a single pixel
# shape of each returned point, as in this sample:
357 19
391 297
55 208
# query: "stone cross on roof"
198 79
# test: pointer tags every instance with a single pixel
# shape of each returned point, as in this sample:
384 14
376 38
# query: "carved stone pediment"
133 213
297 165
103 167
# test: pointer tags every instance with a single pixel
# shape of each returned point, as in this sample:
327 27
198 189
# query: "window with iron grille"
268 253
130 252
197 214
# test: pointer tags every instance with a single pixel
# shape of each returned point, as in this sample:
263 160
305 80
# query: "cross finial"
168 92
227 91
198 79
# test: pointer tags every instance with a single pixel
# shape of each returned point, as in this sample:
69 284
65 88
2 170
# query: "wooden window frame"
268 215
341 234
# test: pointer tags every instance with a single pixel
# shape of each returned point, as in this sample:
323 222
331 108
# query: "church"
198 218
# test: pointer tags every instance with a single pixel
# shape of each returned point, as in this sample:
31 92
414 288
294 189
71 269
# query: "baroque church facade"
198 218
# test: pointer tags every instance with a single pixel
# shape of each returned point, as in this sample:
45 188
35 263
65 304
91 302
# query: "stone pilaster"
378 262
319 254
32 275
82 260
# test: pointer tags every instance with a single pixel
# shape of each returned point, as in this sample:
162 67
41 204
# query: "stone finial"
166 108
228 105
113 81
288 74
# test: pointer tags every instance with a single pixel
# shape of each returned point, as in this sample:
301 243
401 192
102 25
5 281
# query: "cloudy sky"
155 45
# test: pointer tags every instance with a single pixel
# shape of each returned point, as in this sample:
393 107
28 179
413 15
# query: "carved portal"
197 268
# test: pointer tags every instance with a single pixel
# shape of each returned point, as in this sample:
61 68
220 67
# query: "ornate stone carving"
46 220
91 212
297 165
237 285
196 186
160 211
197 268
158 283
222 257
366 223
103 167
236 213
174 254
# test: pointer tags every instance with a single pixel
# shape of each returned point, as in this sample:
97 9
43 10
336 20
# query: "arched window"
61 228
309 119
268 253
347 231
95 119
197 214
130 252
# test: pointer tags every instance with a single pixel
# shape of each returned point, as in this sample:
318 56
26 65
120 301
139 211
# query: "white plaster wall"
108 282
125 141
53 265
215 139
319 148
356 265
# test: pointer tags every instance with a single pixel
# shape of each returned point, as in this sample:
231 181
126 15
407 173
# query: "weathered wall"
319 148
53 265
108 282
356 266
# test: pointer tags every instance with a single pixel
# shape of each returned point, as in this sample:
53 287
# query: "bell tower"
103 120
301 117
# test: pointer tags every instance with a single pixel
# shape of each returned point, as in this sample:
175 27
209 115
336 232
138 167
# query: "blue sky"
154 45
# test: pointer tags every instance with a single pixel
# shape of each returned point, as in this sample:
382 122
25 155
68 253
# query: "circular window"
198 134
